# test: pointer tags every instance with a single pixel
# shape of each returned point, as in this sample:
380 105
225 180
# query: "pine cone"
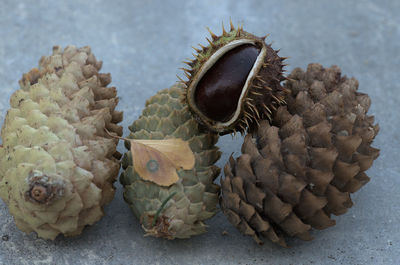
294 174
56 164
194 196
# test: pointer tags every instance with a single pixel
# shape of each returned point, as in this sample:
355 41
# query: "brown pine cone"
294 174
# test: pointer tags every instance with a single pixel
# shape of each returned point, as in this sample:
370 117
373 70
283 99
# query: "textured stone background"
142 43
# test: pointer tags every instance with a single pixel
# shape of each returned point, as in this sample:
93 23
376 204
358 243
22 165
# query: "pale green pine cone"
57 165
195 196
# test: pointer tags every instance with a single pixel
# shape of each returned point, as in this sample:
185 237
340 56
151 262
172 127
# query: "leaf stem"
162 207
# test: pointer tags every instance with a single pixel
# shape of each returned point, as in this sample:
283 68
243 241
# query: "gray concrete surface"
142 43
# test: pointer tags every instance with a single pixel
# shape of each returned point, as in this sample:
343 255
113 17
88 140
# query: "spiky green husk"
264 94
54 144
194 196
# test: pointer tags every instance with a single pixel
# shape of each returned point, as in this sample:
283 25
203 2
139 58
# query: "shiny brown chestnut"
234 82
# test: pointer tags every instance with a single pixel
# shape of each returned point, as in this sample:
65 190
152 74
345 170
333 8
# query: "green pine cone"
183 206
57 164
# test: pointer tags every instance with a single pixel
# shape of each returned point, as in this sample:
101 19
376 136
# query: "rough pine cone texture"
57 165
196 196
294 174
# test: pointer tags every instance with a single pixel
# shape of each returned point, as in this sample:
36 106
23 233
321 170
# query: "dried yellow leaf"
158 160
177 150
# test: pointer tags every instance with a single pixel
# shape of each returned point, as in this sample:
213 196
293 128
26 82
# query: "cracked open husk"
234 81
